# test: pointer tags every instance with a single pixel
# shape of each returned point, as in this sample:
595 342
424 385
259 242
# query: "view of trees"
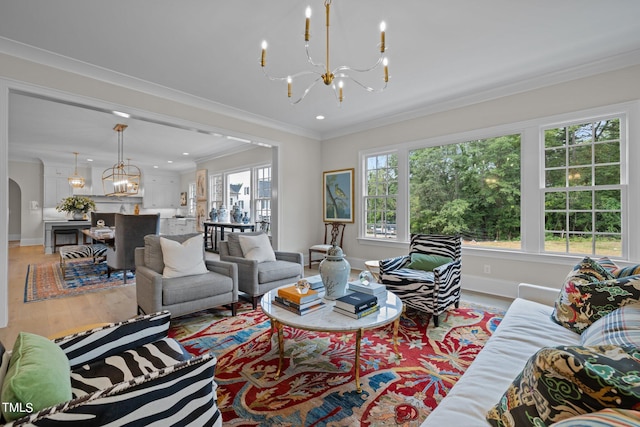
583 198
471 188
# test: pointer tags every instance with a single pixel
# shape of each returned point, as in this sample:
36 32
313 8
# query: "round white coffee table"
327 320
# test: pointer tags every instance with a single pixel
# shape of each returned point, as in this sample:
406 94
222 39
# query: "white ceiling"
440 52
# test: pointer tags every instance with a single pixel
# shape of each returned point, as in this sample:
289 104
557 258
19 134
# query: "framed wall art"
201 184
337 195
201 215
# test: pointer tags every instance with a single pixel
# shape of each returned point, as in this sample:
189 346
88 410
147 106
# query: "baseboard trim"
489 286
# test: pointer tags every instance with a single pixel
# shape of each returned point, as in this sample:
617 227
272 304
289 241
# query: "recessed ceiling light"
155 166
185 154
121 114
89 160
169 161
320 117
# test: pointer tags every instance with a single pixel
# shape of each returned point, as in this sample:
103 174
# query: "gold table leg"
396 326
357 367
278 326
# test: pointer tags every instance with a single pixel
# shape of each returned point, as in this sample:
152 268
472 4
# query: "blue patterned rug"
45 281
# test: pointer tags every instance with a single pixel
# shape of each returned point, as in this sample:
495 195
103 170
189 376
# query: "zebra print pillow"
125 366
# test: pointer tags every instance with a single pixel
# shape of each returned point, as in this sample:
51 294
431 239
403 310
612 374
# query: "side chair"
333 233
129 235
430 290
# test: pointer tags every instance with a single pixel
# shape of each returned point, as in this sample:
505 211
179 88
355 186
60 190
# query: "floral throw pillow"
563 382
591 292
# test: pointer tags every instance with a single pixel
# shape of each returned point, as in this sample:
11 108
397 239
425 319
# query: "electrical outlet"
487 269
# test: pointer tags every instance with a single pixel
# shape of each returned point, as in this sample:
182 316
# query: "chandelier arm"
360 70
292 76
311 61
362 85
306 91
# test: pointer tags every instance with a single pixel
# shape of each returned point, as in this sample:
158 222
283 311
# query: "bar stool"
64 231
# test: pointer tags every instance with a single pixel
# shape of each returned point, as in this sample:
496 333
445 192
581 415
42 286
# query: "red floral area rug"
317 385
45 281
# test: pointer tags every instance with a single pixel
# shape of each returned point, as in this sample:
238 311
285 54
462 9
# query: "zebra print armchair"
428 291
131 373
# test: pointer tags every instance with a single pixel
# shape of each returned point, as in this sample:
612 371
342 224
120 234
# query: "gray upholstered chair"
182 295
257 278
129 235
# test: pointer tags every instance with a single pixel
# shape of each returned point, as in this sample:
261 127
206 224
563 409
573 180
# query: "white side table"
374 267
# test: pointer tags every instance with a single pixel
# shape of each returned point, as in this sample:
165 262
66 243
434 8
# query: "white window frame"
532 180
256 196
624 178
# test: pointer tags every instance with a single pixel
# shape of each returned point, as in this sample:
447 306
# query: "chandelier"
324 72
75 180
121 179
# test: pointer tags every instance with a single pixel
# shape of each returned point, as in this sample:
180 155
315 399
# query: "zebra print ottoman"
80 251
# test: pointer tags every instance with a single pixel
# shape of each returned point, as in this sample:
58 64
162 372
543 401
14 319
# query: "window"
236 181
381 196
263 193
215 191
583 189
471 188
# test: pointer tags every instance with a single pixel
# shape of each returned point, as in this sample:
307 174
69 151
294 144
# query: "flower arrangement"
76 204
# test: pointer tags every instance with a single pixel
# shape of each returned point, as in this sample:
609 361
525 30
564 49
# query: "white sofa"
526 327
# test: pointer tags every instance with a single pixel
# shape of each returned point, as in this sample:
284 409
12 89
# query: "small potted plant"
78 206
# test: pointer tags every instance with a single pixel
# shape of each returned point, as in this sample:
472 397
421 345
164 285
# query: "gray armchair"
257 278
182 295
129 235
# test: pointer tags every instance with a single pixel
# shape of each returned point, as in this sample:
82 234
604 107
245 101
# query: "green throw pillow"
427 262
39 376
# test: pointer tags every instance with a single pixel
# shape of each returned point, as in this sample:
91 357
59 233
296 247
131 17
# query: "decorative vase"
213 214
78 216
245 218
223 214
136 209
334 270
236 214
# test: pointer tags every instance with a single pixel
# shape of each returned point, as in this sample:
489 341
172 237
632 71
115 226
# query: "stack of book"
290 299
357 305
373 288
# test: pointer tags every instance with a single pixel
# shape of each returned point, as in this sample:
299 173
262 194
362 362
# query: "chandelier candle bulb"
306 25
383 27
385 63
264 53
340 85
289 86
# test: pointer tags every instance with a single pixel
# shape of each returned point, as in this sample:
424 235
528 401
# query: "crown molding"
61 62
463 97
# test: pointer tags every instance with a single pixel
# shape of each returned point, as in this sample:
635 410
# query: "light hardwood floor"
52 316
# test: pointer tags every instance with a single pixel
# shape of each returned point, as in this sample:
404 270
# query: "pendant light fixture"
336 77
122 179
75 180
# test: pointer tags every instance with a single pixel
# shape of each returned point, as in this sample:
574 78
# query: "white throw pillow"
257 247
182 259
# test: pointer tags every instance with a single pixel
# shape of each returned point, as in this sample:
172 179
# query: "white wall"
506 269
28 176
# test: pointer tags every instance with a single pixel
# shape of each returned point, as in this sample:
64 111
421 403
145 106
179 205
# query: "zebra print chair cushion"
428 291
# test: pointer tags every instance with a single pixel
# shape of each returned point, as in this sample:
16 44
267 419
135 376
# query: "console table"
211 230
